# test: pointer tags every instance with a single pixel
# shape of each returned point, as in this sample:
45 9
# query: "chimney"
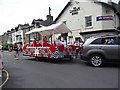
109 1
49 19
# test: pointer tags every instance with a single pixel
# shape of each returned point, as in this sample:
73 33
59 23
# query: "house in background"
18 34
9 37
21 38
13 31
26 38
0 39
89 18
38 23
118 12
4 38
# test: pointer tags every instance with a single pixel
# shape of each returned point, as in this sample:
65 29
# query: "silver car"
97 50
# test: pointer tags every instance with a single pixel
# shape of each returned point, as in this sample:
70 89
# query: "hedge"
5 46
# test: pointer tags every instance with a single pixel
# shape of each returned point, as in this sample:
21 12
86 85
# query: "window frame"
88 21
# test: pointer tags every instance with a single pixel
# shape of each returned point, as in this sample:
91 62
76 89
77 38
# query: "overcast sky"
14 12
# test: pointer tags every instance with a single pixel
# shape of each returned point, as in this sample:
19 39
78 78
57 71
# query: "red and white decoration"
50 51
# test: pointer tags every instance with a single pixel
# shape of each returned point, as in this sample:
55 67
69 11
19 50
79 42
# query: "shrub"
5 46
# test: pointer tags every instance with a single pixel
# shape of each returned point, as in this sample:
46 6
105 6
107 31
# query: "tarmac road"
28 73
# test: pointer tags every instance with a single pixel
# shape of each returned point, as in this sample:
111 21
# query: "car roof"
110 36
104 36
91 39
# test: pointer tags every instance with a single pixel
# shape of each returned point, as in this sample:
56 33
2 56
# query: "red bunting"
46 50
73 47
24 47
31 53
70 49
26 52
49 55
34 45
67 53
41 54
52 48
46 44
66 49
28 49
61 48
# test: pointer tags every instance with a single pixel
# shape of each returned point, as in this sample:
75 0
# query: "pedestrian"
1 62
78 44
20 48
16 51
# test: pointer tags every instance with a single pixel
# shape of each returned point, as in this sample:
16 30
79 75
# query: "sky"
14 12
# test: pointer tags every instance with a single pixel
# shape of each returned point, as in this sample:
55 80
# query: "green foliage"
6 46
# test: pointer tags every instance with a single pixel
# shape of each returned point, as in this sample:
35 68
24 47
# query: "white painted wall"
109 24
76 23
13 37
22 37
14 34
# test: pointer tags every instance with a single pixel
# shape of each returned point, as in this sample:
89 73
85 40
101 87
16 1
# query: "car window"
105 41
97 41
109 41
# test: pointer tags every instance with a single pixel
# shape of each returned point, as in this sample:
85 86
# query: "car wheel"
96 60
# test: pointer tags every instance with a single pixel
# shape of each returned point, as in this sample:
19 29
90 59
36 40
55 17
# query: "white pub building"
88 18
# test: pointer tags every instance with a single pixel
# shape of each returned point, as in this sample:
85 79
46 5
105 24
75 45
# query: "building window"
64 22
88 21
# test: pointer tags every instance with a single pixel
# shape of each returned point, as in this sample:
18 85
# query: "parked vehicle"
97 50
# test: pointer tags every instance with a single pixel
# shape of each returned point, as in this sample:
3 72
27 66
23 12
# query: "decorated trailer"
50 50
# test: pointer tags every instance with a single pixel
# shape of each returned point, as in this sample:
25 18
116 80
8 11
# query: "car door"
110 49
